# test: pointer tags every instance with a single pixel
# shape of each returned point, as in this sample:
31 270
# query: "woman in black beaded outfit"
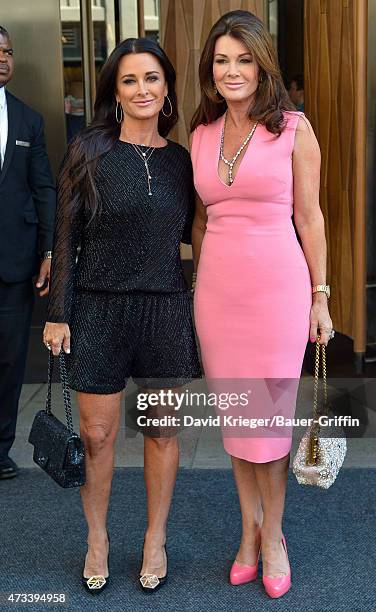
123 308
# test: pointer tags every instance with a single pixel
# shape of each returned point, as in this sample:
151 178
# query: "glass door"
90 31
71 40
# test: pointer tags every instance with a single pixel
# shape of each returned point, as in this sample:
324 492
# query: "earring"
163 113
117 112
215 88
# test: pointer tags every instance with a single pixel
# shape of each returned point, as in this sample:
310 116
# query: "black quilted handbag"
58 450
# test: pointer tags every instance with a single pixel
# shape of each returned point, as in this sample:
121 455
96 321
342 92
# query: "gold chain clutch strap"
313 447
319 458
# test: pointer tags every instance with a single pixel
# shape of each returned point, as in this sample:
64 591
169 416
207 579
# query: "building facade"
60 46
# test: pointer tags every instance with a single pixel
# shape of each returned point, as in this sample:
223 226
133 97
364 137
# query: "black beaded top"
133 244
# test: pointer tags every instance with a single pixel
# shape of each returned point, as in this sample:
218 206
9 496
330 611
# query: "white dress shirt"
3 124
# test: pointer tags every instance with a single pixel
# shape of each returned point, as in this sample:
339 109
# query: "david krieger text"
239 421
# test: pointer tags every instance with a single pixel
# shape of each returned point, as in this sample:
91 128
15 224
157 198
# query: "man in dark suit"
27 212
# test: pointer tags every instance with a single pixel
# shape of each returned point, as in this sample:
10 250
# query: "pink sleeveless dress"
253 292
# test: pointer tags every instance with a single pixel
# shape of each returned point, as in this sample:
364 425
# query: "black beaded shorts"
147 336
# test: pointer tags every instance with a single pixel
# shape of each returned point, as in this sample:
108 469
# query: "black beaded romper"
125 297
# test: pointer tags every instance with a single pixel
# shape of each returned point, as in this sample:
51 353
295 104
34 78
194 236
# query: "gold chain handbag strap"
313 446
317 377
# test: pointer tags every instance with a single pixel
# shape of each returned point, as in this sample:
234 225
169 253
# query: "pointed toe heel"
97 583
240 574
278 585
150 583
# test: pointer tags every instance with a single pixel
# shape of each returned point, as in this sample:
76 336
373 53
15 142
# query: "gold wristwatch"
322 288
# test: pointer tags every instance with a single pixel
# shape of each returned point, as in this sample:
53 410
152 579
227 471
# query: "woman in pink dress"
259 295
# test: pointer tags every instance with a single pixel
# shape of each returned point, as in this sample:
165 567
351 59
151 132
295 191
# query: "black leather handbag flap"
58 450
53 443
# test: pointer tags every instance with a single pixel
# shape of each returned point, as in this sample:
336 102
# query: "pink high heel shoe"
278 585
240 574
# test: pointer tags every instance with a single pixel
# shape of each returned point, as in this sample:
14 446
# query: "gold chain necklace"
145 156
231 163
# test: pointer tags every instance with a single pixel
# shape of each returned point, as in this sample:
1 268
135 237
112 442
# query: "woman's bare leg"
251 511
271 478
99 424
161 463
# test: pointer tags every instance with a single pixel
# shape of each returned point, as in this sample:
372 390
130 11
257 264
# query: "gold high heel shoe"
97 583
151 582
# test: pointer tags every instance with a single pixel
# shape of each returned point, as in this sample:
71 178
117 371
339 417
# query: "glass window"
151 19
72 59
112 21
273 21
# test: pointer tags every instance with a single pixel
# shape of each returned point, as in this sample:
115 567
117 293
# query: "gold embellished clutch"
320 457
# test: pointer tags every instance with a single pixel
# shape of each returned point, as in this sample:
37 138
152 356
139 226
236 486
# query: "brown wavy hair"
271 97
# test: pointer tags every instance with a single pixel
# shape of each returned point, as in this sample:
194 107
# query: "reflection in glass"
273 21
72 59
151 12
113 21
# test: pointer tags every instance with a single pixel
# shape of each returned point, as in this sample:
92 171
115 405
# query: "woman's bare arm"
309 221
198 231
199 225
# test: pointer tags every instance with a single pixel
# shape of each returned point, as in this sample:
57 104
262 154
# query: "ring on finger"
330 331
48 345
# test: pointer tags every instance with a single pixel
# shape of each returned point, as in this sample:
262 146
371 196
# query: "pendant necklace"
231 163
145 156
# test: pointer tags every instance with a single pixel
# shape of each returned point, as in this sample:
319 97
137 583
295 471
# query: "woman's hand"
320 320
55 336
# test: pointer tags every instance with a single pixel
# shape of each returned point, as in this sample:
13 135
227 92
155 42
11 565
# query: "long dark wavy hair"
76 179
271 97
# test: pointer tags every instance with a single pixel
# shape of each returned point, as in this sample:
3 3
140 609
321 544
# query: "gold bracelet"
322 289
